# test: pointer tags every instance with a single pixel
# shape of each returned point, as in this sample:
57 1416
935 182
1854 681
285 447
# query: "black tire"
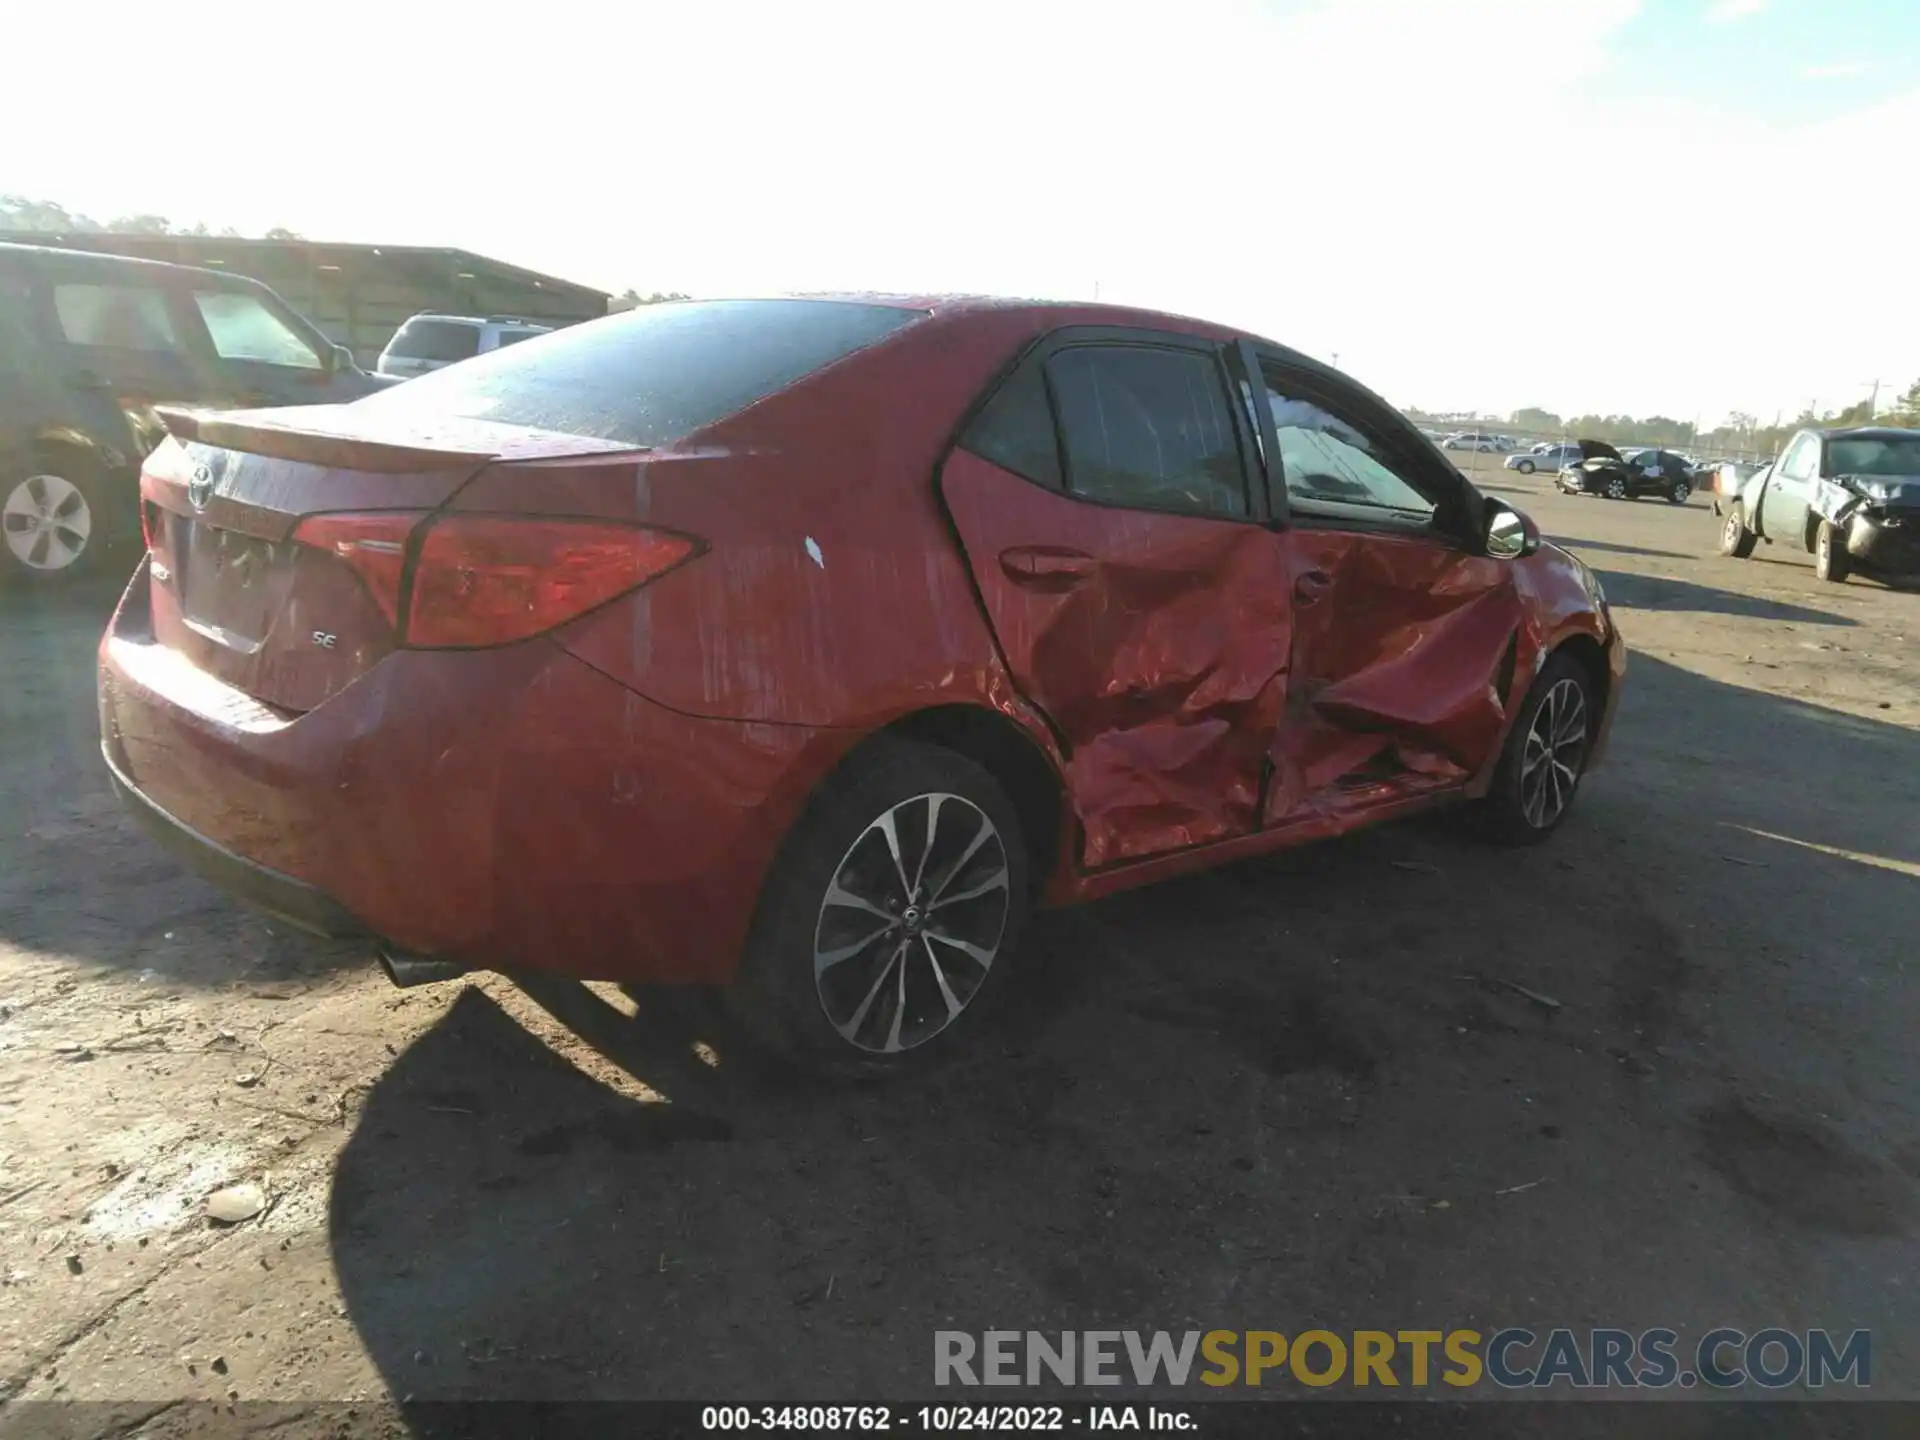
1831 562
1506 815
1616 488
777 997
1525 467
1735 538
54 526
1679 493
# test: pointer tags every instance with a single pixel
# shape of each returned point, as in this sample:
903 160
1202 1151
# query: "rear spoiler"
257 433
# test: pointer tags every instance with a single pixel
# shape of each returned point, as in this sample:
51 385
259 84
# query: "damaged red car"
805 645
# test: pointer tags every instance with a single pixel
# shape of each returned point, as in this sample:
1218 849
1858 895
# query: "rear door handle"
1309 587
1047 569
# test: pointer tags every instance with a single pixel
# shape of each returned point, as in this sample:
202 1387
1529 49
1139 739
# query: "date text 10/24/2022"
946 1419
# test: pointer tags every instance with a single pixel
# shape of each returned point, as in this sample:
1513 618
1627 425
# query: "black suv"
1603 470
89 345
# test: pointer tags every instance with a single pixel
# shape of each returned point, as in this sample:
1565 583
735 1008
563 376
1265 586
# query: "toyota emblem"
200 487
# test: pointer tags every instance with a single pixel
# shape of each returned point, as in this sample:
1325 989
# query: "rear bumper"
288 899
506 809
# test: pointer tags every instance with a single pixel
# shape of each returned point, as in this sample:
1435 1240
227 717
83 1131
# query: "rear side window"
115 317
1149 428
514 337
651 375
442 340
243 328
1015 429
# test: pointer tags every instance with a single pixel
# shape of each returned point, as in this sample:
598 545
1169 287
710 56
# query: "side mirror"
343 358
1509 534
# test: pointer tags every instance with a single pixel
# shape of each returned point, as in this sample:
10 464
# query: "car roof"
121 263
1864 432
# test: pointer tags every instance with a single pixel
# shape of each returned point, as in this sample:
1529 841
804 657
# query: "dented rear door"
1103 500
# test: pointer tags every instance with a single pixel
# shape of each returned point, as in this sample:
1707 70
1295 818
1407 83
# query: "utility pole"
1873 402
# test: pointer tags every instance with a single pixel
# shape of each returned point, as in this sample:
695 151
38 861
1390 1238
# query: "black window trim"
1458 505
1041 351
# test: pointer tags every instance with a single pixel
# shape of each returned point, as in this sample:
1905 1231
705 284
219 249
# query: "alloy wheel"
911 923
1556 746
1730 532
47 522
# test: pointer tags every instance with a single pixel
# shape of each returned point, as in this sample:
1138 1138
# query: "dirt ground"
1260 1098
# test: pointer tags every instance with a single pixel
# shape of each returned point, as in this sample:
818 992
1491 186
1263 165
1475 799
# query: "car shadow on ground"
1580 546
1660 592
77 877
1395 1075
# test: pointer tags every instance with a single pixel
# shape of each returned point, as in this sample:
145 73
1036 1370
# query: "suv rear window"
115 317
445 340
653 374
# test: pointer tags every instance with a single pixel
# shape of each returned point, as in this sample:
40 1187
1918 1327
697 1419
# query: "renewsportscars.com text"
1511 1358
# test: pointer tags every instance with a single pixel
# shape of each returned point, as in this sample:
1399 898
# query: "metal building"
358 294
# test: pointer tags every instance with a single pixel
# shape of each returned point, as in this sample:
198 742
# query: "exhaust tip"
407 971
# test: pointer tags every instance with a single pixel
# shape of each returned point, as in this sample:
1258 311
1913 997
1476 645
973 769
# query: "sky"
1682 207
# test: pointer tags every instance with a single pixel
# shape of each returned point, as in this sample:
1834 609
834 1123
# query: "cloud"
1724 12
1842 70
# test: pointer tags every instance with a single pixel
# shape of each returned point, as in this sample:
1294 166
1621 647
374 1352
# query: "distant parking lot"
1660 1072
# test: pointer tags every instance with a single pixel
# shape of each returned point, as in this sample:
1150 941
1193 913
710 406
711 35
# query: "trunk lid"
287 622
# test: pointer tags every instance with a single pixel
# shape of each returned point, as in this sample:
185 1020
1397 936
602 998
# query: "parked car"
805 644
1544 456
1850 496
1725 479
1603 470
429 342
89 345
1470 440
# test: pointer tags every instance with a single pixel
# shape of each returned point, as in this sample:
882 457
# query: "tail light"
466 581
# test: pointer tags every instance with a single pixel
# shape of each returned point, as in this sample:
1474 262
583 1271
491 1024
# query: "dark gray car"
89 346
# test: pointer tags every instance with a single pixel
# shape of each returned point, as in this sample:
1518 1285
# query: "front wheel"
891 917
1525 467
1545 756
1680 493
1831 562
1735 539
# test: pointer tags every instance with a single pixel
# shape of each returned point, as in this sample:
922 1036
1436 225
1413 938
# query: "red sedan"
805 645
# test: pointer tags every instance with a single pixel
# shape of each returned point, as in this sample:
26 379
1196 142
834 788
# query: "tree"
630 299
280 232
1533 418
140 225
19 213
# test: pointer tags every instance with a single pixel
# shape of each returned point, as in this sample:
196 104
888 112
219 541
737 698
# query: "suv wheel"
890 920
50 526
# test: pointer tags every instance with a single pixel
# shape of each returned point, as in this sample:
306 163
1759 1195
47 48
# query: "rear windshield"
435 340
1877 455
652 374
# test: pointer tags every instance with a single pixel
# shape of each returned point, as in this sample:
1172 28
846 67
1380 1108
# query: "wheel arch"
1591 656
1005 749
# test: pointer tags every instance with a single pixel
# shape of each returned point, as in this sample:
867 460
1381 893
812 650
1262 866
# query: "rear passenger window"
1015 430
441 340
1149 428
115 317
